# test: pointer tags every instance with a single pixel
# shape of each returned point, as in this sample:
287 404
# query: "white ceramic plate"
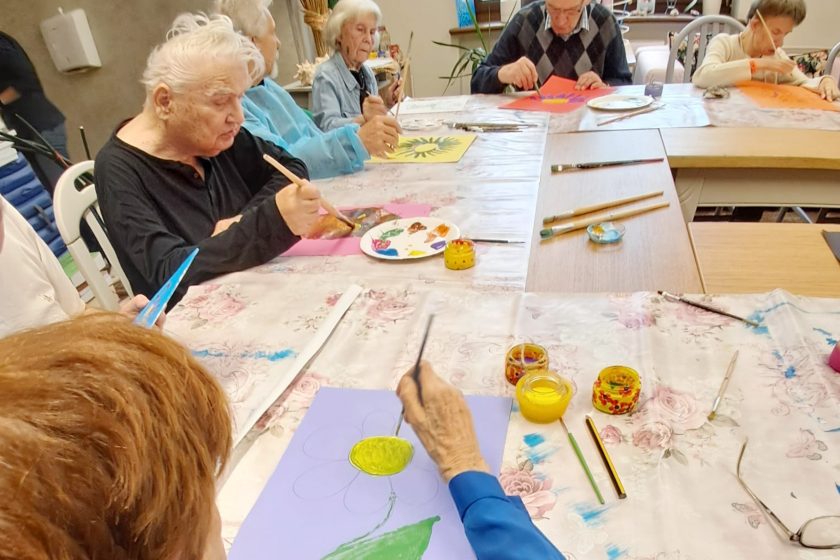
408 238
620 102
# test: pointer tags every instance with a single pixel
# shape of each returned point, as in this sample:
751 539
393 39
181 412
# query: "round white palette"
408 238
620 102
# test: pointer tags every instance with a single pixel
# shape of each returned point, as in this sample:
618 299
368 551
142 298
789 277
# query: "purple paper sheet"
317 501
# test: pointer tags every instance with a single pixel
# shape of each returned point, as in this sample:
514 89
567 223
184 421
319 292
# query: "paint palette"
620 102
409 238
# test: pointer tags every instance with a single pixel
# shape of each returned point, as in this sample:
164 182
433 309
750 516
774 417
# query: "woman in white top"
36 291
751 55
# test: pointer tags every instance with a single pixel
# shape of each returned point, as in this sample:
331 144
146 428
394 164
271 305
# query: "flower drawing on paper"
807 446
653 436
678 409
532 488
336 478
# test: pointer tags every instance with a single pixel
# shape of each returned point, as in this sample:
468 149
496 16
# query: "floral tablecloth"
678 468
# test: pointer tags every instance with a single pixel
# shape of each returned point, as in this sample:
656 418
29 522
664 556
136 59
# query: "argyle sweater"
599 48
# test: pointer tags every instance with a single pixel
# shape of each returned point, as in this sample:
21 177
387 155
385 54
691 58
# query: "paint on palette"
257 355
435 239
592 516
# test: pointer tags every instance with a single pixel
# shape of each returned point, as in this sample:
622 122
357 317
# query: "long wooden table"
655 252
744 258
754 167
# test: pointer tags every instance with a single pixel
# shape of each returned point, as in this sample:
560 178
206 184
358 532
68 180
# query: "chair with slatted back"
72 205
705 27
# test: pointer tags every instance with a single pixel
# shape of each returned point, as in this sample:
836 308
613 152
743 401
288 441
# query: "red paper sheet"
559 96
784 96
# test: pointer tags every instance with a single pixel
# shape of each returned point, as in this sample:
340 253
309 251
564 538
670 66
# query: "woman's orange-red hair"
111 438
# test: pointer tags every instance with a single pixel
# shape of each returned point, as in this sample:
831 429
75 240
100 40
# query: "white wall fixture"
70 42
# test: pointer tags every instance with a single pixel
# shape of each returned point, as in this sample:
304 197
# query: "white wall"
820 30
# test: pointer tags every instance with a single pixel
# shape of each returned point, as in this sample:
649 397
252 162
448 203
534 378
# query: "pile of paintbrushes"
552 231
489 127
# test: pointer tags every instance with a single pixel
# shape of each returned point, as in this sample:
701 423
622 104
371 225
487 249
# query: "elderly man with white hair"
344 89
272 114
183 174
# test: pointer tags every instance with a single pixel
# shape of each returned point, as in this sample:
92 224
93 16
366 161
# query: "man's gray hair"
249 17
193 40
348 10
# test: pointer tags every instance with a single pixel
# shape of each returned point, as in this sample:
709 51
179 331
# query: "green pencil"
583 464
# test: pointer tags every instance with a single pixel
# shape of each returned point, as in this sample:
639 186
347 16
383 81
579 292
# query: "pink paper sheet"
350 245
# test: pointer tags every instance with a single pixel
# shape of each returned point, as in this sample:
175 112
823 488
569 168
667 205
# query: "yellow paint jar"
524 358
543 396
459 254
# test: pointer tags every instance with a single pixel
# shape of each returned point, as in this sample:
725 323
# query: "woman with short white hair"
183 174
344 89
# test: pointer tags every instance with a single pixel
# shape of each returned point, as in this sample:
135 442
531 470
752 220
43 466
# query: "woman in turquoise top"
344 90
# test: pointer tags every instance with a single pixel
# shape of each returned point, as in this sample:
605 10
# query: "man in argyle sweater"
566 38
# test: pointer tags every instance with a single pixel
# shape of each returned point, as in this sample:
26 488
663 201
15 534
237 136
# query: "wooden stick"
331 210
572 226
600 206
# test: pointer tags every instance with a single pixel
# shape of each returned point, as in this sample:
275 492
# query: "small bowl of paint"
606 232
543 396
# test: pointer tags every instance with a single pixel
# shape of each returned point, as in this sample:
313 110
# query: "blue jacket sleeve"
616 71
485 79
496 525
272 114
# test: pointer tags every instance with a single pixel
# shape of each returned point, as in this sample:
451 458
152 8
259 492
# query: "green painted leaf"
406 543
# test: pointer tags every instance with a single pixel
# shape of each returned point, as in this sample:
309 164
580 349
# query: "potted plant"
471 57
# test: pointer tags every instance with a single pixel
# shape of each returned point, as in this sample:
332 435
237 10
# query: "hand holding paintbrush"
308 197
442 421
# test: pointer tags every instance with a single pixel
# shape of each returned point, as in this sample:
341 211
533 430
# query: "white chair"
72 205
706 27
830 62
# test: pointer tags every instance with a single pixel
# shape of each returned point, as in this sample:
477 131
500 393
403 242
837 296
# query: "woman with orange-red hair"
110 444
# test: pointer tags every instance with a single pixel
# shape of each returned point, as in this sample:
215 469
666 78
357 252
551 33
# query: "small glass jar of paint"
616 390
543 396
459 254
524 358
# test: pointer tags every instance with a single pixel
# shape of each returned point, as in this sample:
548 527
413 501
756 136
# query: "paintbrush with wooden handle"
325 204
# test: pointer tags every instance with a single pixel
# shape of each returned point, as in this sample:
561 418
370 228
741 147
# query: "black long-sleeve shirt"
17 71
156 211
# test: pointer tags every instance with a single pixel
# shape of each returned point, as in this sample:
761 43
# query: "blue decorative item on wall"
463 12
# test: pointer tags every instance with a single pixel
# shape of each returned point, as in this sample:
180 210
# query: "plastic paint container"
543 396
